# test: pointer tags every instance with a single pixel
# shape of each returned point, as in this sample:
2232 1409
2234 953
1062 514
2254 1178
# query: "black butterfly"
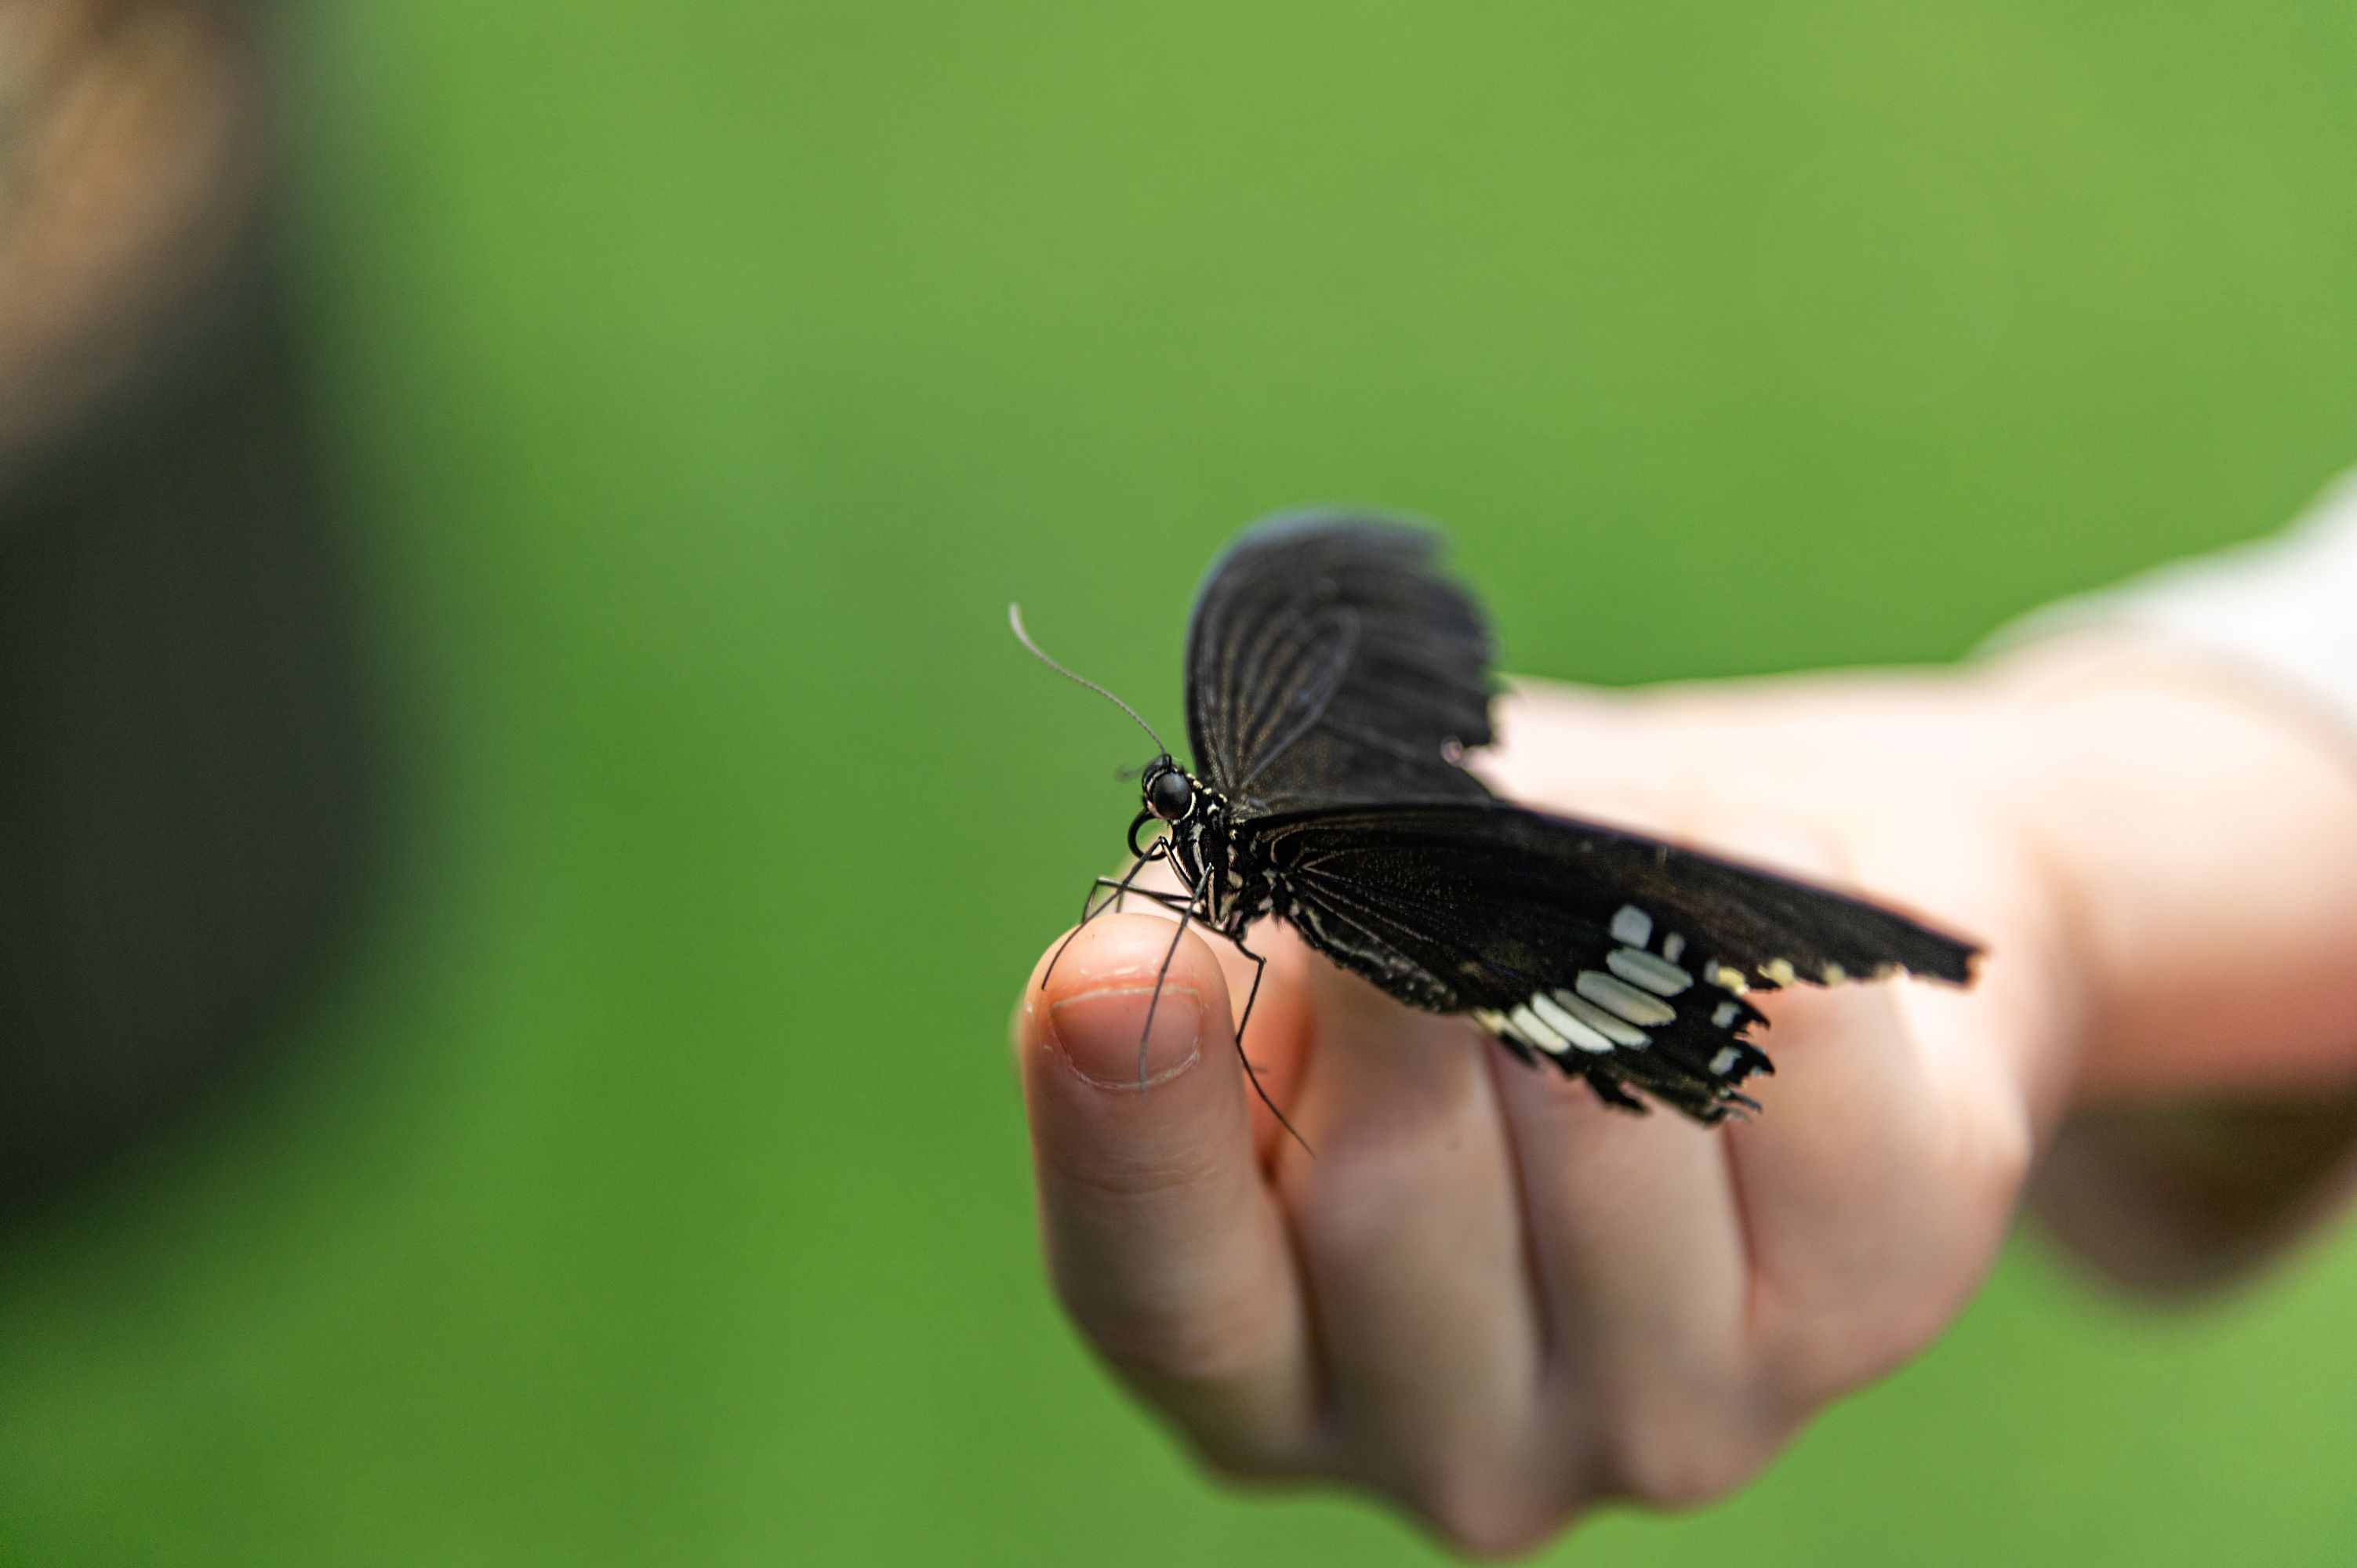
1335 681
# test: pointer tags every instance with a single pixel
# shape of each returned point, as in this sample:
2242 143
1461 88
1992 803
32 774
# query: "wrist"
2196 836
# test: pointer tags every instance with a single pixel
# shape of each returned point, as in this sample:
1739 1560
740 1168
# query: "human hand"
1488 1297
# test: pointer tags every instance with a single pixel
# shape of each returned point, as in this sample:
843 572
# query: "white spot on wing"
1727 1057
1779 970
1724 1015
1617 1030
1658 975
1528 1025
1671 946
1633 926
1505 1028
1569 1027
1625 1000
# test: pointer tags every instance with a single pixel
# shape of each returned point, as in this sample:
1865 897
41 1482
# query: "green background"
651 1188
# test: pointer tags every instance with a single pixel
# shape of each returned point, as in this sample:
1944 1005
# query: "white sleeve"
2283 607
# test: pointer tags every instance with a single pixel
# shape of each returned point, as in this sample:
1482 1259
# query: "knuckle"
1254 1458
1482 1517
1817 1357
1813 1355
1674 1461
1821 1342
1843 1354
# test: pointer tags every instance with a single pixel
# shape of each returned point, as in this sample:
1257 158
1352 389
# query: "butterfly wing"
1622 959
1329 660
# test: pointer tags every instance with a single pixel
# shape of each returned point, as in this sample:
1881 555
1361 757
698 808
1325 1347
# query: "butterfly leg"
1260 967
1185 913
1088 914
1155 896
1126 885
1120 888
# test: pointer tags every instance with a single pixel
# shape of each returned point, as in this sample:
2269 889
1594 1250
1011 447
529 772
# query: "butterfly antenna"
1015 619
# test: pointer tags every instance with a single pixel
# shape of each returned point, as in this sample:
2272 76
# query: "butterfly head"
1168 789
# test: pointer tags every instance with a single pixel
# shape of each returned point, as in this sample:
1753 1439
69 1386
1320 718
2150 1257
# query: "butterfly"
1335 681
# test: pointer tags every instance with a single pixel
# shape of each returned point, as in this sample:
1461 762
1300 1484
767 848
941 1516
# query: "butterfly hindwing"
1621 958
1329 660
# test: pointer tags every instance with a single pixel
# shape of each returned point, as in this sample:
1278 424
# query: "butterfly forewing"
1327 660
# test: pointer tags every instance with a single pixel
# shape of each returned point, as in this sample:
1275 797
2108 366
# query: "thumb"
1162 1236
1114 1101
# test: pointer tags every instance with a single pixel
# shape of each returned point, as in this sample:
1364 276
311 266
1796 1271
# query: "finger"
1639 1250
1635 1221
1162 1237
1865 1178
1409 1227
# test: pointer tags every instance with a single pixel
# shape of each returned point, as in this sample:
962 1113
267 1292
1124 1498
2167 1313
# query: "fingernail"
1097 1033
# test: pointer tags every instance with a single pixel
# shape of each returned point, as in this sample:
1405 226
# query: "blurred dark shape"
186 802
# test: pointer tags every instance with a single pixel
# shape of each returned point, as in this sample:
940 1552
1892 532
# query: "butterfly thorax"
1233 884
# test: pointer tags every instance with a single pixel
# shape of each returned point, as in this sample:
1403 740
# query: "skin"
1498 1303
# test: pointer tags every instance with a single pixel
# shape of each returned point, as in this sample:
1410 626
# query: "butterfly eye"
1169 795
